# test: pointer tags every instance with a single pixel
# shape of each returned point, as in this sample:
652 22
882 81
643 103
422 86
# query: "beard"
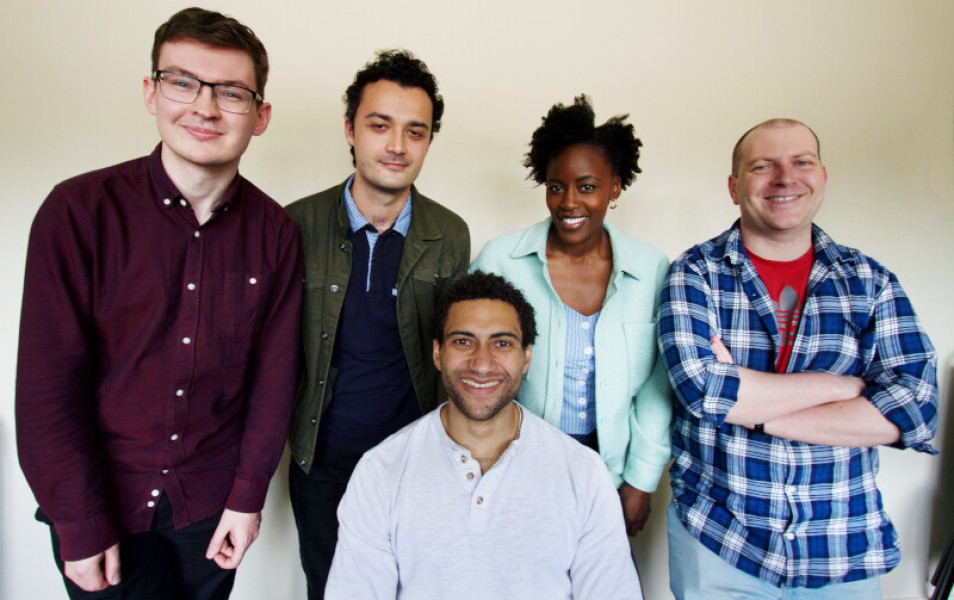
487 407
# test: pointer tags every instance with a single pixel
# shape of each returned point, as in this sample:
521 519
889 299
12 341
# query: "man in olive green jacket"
378 254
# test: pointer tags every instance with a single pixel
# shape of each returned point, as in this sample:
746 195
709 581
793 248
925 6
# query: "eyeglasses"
180 87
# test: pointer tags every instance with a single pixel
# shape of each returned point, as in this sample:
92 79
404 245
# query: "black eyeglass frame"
157 76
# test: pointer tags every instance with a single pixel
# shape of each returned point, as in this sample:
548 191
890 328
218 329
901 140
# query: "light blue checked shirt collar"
357 221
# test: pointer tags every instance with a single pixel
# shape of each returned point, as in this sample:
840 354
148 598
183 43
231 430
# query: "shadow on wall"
942 525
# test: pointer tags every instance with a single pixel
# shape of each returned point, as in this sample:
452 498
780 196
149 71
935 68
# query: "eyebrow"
389 119
237 82
493 336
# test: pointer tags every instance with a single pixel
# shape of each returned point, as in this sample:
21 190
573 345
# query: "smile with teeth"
780 199
480 386
572 220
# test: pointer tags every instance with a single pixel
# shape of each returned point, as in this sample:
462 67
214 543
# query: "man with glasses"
158 337
378 254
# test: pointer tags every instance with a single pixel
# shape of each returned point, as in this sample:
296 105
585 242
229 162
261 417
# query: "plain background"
873 77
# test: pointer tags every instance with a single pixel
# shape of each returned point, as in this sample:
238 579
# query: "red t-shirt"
786 281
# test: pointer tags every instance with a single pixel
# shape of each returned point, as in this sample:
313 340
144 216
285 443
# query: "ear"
149 94
825 173
529 357
349 131
437 355
732 193
617 188
262 118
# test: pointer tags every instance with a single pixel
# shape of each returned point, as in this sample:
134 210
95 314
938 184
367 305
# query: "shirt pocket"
640 352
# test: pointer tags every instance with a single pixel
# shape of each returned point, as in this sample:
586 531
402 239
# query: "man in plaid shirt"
793 358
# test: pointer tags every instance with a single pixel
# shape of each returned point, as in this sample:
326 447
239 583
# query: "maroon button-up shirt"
156 355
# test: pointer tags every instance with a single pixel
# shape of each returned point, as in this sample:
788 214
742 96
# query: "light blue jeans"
697 573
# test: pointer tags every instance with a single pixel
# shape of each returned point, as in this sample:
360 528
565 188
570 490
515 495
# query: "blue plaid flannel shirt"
790 513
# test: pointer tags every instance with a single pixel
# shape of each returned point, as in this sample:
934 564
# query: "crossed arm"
817 408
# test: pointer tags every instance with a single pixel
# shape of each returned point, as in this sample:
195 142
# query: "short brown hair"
217 30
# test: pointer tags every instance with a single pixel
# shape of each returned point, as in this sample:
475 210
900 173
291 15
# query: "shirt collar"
357 220
534 241
826 251
164 189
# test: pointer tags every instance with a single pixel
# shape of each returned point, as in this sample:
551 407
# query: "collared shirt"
157 356
420 520
357 221
791 513
579 375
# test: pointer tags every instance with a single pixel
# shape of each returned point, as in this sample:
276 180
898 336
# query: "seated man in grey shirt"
480 498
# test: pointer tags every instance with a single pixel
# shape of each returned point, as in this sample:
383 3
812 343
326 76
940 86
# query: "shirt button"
183 202
186 340
470 476
581 414
314 421
190 287
334 289
165 471
321 382
585 324
581 382
155 493
582 401
324 336
167 202
253 281
174 437
150 504
342 246
588 350
180 392
301 462
463 458
197 234
480 500
790 536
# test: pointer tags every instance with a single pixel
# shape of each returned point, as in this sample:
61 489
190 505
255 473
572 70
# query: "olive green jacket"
436 252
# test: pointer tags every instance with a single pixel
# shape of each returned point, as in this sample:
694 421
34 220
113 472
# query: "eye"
554 188
503 344
803 163
461 342
416 133
587 188
378 126
758 168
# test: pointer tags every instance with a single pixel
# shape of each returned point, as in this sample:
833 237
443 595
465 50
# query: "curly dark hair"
484 286
566 126
404 69
216 30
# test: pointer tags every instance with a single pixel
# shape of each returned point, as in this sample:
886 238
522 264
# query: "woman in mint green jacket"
595 372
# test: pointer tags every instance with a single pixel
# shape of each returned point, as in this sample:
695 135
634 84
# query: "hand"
233 536
722 353
96 572
635 508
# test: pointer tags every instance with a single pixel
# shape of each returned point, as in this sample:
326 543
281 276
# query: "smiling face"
200 135
482 358
580 184
390 134
779 187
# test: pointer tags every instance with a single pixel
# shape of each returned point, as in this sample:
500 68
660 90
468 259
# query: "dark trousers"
160 564
315 496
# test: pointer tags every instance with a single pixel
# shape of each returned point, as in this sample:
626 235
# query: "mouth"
394 165
478 385
781 199
201 133
572 222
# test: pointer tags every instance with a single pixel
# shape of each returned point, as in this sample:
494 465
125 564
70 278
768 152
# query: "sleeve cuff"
83 539
247 496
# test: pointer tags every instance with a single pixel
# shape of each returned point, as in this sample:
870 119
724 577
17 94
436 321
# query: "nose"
784 175
570 199
481 361
205 103
396 141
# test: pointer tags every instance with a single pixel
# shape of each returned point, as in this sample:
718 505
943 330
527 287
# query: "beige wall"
873 78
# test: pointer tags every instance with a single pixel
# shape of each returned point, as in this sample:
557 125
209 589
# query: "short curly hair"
485 286
404 69
565 126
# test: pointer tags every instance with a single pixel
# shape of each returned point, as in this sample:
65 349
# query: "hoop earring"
613 203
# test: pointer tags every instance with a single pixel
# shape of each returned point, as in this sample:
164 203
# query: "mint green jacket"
633 395
436 252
